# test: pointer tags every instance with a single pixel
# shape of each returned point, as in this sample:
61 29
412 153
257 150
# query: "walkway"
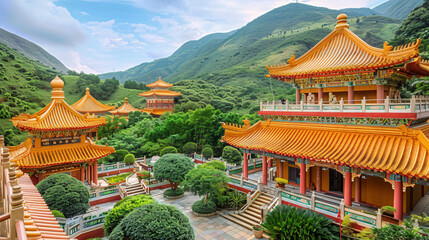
421 207
214 227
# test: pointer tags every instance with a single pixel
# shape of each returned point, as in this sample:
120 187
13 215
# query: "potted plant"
281 182
258 231
388 214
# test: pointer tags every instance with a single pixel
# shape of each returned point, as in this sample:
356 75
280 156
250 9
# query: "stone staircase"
134 189
252 215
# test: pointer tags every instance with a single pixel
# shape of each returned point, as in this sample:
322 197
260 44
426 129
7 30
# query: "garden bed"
118 179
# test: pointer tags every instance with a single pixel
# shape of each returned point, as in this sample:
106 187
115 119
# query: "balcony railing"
417 104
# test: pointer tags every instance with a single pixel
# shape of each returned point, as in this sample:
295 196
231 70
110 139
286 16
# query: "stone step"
254 209
250 216
242 218
263 196
254 214
237 221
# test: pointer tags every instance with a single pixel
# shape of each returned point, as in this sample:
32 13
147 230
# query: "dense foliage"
204 208
215 164
167 150
129 159
231 155
58 214
154 221
189 148
122 208
101 90
173 168
393 231
173 193
287 222
207 152
64 193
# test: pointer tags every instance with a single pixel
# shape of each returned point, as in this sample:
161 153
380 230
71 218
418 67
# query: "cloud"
45 22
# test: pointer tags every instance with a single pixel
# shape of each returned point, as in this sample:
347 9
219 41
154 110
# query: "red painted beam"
412 116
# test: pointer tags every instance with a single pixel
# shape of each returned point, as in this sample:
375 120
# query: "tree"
204 181
215 164
231 155
129 159
119 155
154 221
122 208
189 148
207 152
169 149
64 193
173 168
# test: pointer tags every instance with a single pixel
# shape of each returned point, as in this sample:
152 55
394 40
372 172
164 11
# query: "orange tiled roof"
88 104
389 149
125 109
27 156
341 51
159 83
57 115
38 219
157 111
159 92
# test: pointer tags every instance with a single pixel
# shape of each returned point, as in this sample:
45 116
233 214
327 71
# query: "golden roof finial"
291 61
342 21
57 88
87 90
126 100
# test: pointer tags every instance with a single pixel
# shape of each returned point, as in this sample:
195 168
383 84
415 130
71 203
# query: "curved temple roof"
57 115
159 92
88 104
159 83
398 150
341 51
125 109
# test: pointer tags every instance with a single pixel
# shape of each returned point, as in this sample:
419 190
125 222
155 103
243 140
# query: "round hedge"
190 147
199 207
154 221
171 193
169 149
207 152
64 193
58 214
231 155
129 159
122 208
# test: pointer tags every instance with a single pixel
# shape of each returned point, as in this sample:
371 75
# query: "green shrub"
166 150
119 155
173 168
173 193
231 155
154 221
118 178
393 231
189 148
64 193
129 159
215 164
58 214
207 152
287 222
200 207
122 208
236 199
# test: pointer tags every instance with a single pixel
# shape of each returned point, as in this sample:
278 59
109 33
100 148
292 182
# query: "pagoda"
58 141
88 104
349 133
159 99
125 109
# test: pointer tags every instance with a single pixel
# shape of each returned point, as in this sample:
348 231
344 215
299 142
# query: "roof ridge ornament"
342 21
386 48
57 85
292 61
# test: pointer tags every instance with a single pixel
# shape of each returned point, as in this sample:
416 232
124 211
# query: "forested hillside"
398 9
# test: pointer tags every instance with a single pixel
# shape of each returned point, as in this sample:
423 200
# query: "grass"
118 178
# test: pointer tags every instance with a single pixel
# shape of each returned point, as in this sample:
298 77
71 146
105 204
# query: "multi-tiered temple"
88 104
124 109
349 132
159 99
58 141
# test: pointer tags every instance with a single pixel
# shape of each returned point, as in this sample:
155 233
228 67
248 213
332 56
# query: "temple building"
88 104
58 141
124 109
349 133
159 99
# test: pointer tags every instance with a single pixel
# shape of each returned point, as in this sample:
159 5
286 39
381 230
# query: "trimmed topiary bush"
154 221
167 150
58 214
64 193
200 207
129 159
173 168
207 152
287 222
122 208
173 193
215 164
231 155
190 148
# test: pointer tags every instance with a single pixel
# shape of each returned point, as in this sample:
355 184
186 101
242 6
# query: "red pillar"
397 201
350 93
357 189
298 95
348 189
95 179
280 170
380 93
89 174
245 168
302 179
82 174
270 163
319 179
320 93
264 170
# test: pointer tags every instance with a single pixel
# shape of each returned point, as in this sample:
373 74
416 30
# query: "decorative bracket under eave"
404 184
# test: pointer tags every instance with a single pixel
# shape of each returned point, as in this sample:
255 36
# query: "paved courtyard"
214 227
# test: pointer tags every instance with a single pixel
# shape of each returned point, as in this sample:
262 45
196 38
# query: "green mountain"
398 9
239 59
31 50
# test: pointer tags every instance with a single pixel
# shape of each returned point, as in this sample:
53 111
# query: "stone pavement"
421 207
213 227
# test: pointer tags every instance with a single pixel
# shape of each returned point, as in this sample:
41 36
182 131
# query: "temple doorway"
335 181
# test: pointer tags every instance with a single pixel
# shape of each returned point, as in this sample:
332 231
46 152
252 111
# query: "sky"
99 36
